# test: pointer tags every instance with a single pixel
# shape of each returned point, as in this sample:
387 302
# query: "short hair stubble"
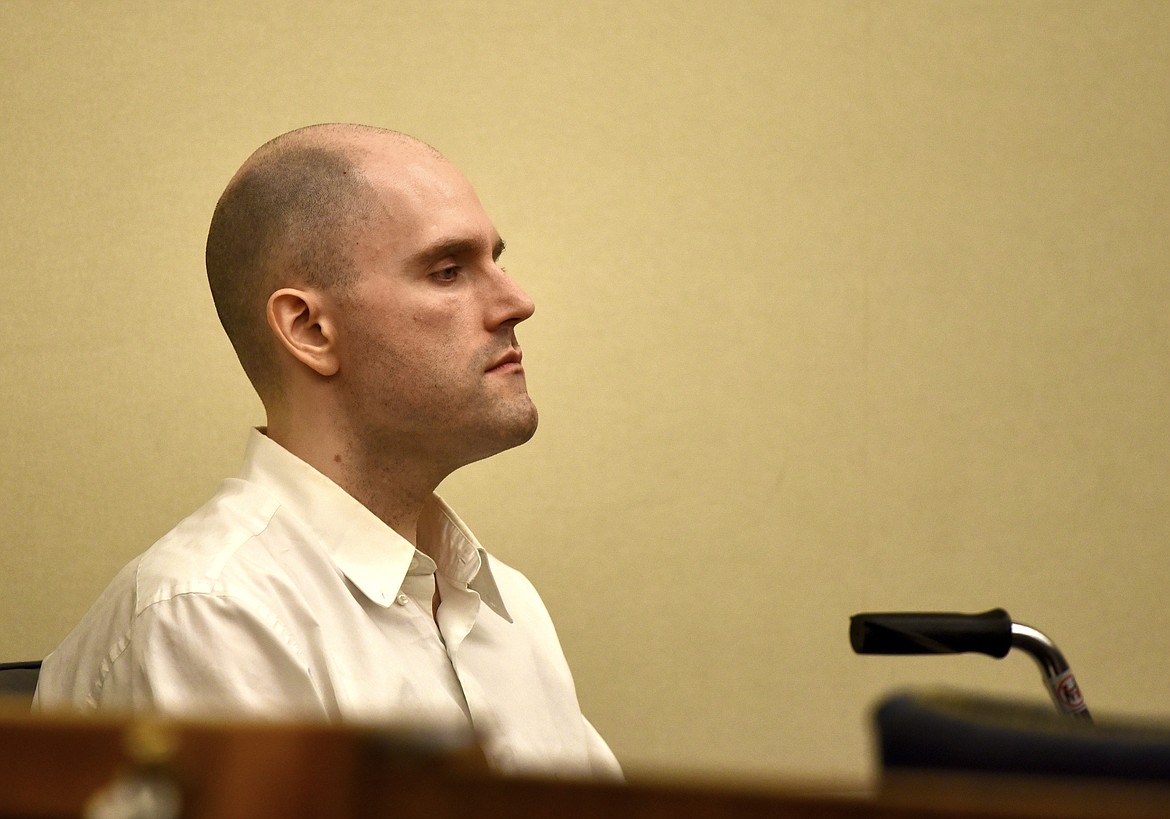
288 218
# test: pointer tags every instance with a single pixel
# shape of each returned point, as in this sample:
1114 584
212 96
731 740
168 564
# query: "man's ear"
304 328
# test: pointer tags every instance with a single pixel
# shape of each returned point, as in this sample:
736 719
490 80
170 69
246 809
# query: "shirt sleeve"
208 655
602 761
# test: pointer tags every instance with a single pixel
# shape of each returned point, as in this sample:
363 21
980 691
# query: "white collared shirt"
285 598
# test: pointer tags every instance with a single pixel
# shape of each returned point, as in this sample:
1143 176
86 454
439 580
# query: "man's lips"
508 361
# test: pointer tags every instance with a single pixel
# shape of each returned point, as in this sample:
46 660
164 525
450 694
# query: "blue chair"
965 733
18 681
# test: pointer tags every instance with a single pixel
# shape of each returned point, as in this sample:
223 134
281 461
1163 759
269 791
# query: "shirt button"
403 600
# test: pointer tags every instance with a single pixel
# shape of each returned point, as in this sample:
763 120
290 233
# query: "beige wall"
841 306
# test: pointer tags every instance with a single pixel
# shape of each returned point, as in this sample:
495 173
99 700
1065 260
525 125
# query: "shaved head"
290 217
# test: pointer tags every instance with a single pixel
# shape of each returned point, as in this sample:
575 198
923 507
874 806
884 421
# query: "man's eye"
447 274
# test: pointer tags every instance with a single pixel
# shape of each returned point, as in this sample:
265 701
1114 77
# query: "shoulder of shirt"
220 543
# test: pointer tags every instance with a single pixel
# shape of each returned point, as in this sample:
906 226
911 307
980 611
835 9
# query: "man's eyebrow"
454 247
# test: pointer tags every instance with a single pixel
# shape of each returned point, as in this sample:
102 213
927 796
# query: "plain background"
841 306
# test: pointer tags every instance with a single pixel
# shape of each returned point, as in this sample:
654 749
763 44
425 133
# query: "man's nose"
511 305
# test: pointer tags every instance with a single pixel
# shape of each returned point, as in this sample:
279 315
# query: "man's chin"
503 438
526 424
531 430
508 428
518 425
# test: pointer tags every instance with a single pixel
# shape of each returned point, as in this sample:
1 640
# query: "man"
357 276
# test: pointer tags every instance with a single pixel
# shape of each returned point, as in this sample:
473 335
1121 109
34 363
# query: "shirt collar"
374 557
460 556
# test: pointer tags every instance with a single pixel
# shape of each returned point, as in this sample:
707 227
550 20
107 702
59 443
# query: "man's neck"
387 491
390 485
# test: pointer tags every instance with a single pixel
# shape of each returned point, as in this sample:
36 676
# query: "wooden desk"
51 767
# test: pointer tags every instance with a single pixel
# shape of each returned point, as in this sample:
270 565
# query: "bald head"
290 217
